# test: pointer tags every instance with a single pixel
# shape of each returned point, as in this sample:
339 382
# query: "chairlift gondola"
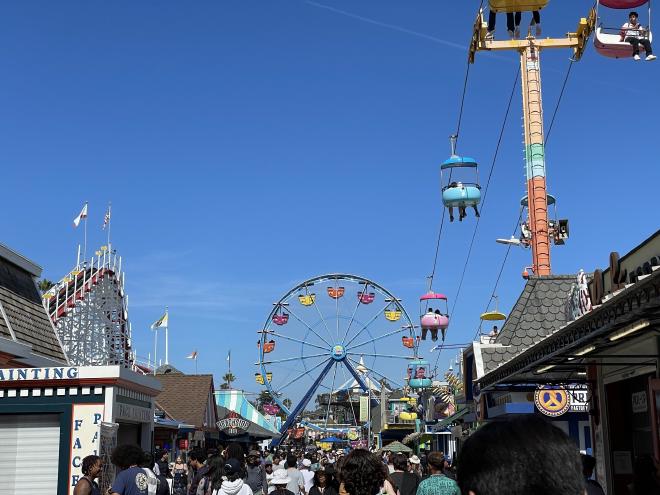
510 6
456 193
433 319
417 374
607 40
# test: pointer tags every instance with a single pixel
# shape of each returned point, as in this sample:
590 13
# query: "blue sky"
249 145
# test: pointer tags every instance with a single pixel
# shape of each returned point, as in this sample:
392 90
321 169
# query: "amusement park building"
600 355
188 400
53 411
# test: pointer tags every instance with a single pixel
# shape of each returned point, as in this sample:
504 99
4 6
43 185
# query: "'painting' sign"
31 374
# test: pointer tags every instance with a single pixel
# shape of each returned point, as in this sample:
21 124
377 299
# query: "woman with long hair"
322 485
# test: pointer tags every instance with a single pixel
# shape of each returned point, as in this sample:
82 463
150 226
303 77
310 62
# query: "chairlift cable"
457 133
490 174
499 275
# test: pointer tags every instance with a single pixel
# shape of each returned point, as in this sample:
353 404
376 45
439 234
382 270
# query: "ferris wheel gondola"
608 40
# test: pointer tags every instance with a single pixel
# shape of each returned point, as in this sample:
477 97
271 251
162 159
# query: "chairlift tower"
542 231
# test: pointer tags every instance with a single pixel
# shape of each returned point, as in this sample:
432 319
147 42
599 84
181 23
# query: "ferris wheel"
329 340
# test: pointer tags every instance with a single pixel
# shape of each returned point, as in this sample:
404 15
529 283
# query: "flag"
162 322
228 356
192 355
81 215
106 218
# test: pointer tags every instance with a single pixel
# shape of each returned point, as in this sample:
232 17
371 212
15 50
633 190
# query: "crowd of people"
527 455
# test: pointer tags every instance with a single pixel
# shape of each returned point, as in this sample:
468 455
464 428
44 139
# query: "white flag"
81 215
162 321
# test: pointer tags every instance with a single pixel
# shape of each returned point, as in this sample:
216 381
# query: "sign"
183 444
639 402
133 413
352 435
31 374
579 399
552 401
364 408
85 438
233 424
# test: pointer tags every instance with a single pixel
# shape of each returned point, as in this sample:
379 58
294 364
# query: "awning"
235 401
451 419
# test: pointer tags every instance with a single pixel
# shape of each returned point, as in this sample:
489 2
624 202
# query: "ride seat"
610 44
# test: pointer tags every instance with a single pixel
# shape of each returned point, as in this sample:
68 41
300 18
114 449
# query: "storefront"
610 345
55 416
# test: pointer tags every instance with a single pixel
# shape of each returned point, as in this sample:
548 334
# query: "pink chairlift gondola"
433 319
607 40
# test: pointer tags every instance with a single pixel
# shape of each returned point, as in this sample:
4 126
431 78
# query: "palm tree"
45 285
287 403
227 379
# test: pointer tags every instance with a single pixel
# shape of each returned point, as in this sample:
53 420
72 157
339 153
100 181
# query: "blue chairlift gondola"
455 193
418 370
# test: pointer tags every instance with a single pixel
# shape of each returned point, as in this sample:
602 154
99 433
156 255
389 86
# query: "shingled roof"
186 398
539 311
23 318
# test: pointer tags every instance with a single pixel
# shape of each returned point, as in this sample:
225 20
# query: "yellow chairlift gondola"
307 299
392 314
510 6
494 315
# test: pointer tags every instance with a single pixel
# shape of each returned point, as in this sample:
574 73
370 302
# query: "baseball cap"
232 466
306 462
280 477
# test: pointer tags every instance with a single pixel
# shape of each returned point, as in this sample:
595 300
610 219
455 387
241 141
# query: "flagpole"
195 364
155 347
109 221
85 242
167 318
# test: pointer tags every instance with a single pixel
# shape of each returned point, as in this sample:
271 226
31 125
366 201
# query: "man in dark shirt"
405 481
197 461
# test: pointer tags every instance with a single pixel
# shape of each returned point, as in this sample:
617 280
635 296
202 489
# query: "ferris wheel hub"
338 352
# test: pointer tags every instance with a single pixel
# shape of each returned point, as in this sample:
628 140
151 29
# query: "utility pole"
543 231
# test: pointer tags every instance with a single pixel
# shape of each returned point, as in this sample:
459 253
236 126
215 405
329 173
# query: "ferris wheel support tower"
542 232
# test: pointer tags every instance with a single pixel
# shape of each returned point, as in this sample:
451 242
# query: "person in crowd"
215 471
404 480
415 462
162 465
437 483
235 451
131 479
390 462
646 476
91 468
296 484
152 478
280 481
307 474
197 462
256 476
321 485
588 465
268 467
520 456
179 476
331 477
362 473
634 33
232 484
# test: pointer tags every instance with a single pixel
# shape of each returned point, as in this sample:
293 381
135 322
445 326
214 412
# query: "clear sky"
249 145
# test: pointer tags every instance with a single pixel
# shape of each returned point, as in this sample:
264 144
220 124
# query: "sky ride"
334 337
607 40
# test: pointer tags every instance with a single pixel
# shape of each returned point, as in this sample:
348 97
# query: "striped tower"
535 159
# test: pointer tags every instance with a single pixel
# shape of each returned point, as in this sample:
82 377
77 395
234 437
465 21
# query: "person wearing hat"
415 466
232 483
256 476
307 474
280 481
